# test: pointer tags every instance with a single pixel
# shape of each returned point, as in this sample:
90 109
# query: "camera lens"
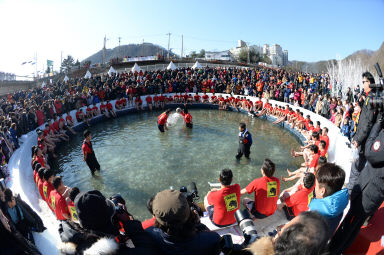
245 222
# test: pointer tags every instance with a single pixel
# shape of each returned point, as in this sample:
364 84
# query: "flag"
49 62
23 63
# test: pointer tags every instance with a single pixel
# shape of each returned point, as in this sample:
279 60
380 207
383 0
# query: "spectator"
331 199
175 229
221 204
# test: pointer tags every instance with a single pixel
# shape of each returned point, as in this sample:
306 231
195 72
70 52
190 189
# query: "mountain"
367 58
131 50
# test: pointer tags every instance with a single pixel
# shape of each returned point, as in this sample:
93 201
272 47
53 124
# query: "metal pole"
169 39
182 44
119 49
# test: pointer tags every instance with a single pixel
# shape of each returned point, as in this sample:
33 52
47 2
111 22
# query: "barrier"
22 175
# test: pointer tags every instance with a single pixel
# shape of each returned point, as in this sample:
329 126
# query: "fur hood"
103 246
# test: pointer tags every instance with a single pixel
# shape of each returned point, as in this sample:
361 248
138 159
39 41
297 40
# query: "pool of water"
137 160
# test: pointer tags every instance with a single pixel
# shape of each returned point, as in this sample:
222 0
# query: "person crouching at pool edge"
89 154
162 120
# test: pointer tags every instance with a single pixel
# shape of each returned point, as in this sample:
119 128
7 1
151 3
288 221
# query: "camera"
249 232
377 99
119 203
191 197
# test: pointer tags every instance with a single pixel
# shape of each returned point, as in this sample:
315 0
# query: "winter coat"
331 207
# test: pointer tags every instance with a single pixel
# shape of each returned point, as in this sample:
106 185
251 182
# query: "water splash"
174 119
344 74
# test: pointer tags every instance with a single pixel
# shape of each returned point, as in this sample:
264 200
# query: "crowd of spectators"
175 228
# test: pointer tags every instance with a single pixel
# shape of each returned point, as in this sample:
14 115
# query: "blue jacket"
331 207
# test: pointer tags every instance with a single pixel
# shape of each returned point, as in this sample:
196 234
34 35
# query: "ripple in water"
137 160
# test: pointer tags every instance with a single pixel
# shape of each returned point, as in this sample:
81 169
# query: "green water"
137 160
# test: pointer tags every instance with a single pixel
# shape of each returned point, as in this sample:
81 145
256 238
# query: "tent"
66 79
87 75
136 68
111 70
197 65
171 66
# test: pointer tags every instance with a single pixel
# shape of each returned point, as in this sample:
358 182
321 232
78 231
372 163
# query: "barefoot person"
162 120
89 154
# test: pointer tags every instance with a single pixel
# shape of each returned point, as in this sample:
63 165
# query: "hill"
131 50
367 57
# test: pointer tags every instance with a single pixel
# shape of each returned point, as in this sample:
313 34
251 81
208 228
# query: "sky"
309 30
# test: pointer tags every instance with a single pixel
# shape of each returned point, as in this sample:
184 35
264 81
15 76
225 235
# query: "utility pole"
119 49
169 39
182 44
142 49
104 49
61 60
247 52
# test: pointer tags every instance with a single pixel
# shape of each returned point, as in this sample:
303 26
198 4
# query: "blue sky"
309 30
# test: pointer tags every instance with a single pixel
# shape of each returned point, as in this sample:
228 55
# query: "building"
7 76
218 55
241 45
276 54
285 58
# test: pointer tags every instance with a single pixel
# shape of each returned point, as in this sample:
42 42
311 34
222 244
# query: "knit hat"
170 207
94 210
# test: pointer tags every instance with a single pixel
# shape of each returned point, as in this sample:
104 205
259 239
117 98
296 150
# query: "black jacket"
371 181
366 120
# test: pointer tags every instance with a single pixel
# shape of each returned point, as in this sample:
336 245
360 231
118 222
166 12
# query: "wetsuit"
162 120
245 142
91 160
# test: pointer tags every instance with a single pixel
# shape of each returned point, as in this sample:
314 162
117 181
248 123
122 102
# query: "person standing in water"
89 154
187 117
162 120
245 142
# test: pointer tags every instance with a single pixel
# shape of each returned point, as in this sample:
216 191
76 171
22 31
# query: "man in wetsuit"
162 120
89 154
245 142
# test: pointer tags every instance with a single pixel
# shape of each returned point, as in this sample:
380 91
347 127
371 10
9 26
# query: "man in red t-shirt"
205 98
89 154
298 202
266 190
324 137
148 99
58 203
47 186
162 120
197 97
221 204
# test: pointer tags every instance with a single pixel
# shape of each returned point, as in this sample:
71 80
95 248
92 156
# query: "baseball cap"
170 207
94 210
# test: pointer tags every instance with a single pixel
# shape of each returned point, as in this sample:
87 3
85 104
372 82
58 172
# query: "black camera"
191 197
377 99
118 201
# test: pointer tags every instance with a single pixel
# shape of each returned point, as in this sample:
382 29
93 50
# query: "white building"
218 55
241 45
276 54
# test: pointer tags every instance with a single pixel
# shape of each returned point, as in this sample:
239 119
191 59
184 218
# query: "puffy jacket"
331 207
366 120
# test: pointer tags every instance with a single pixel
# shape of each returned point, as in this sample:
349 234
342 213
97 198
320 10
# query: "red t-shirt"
109 106
40 183
226 202
267 191
155 98
300 200
41 160
47 188
162 119
58 205
161 98
68 118
86 149
102 107
205 97
72 211
315 160
197 98
325 139
148 99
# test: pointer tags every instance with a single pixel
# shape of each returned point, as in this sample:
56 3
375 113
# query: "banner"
138 59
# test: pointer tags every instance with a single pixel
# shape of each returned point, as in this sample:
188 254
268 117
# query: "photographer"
366 120
98 233
368 193
175 230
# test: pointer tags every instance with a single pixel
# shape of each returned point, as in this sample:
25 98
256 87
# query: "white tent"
87 75
136 68
197 65
171 66
43 84
111 70
66 79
